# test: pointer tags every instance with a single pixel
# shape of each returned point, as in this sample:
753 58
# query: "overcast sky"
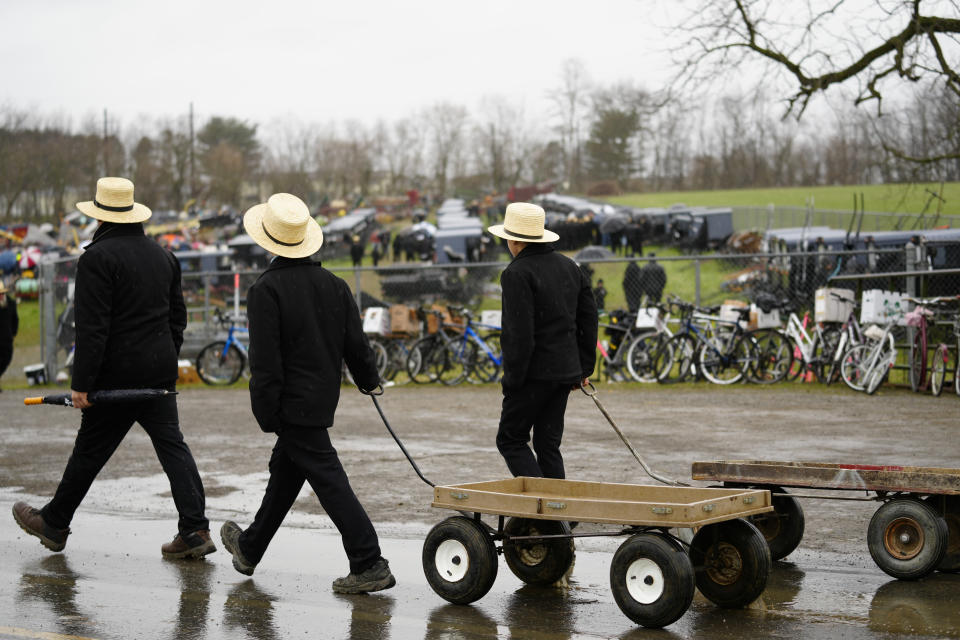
314 61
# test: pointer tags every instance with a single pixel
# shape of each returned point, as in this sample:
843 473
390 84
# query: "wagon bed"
603 502
822 475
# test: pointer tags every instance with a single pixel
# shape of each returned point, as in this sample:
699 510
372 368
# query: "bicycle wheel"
450 363
880 369
938 371
956 374
418 356
380 357
823 352
725 368
852 366
641 355
773 358
674 359
918 361
833 370
485 367
219 365
799 365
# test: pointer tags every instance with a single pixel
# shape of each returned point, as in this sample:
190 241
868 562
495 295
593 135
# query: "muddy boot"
33 523
376 578
230 537
192 545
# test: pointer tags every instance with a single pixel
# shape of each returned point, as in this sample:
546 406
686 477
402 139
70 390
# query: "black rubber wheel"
938 369
782 529
218 368
951 559
417 358
539 562
731 561
675 359
459 560
907 538
773 356
652 580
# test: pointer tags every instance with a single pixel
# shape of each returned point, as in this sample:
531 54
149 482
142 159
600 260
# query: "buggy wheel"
652 580
782 528
731 561
459 560
938 371
539 562
907 538
219 365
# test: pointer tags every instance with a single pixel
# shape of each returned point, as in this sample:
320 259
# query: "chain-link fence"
620 284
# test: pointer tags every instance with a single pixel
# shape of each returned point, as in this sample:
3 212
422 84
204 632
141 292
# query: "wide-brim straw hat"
114 203
282 225
524 222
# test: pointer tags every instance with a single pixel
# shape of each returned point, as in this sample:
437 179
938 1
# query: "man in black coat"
303 324
549 342
130 317
9 322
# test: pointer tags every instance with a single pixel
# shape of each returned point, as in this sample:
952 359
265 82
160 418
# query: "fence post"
911 258
206 300
696 279
48 320
356 275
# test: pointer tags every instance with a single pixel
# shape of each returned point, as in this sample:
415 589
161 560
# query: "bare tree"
872 47
447 125
571 102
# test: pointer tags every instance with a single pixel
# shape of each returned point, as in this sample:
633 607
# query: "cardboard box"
827 308
186 372
376 320
403 320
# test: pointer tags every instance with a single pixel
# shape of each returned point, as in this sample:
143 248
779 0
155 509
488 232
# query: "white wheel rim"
644 581
451 560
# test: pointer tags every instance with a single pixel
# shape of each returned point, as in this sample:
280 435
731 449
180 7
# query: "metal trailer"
653 573
914 532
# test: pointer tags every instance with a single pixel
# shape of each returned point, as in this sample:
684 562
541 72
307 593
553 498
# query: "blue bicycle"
223 362
456 352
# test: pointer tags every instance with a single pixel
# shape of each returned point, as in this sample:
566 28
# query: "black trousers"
538 406
306 454
6 355
102 429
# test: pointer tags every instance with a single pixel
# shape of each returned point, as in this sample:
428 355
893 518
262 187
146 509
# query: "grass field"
892 198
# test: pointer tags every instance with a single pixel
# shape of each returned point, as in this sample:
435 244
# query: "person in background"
632 286
130 316
653 279
9 323
304 324
548 342
600 295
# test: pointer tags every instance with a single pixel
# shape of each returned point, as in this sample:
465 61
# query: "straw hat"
114 203
524 222
282 225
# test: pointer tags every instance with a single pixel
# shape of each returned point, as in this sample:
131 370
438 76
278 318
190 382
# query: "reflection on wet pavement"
194 579
370 615
249 609
53 582
459 622
923 607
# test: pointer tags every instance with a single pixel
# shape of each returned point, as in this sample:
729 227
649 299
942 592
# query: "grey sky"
313 61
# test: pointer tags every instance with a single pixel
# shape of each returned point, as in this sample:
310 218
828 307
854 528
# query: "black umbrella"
593 252
112 396
613 224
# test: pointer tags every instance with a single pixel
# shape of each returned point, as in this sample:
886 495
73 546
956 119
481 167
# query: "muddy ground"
450 432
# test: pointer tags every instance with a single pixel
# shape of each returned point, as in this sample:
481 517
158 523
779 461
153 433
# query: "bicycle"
812 349
623 332
721 349
920 318
451 354
850 336
223 361
642 350
882 354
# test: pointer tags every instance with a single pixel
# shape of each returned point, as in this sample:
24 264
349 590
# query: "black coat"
304 323
129 312
549 319
9 323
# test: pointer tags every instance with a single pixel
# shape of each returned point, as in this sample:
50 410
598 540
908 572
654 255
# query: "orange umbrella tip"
35 400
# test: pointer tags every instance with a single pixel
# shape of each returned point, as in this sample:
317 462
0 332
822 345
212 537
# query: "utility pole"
193 184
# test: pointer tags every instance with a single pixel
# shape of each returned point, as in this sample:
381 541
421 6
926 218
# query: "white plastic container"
827 308
376 320
647 318
760 319
881 306
491 318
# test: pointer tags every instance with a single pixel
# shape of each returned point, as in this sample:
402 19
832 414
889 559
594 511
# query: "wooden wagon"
653 573
914 532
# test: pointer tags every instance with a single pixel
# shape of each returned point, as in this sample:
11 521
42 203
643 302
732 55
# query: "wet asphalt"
111 582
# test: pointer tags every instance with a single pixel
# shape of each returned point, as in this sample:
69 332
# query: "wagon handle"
592 394
376 391
386 423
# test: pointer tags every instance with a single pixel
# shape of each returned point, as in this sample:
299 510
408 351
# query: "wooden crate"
603 502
